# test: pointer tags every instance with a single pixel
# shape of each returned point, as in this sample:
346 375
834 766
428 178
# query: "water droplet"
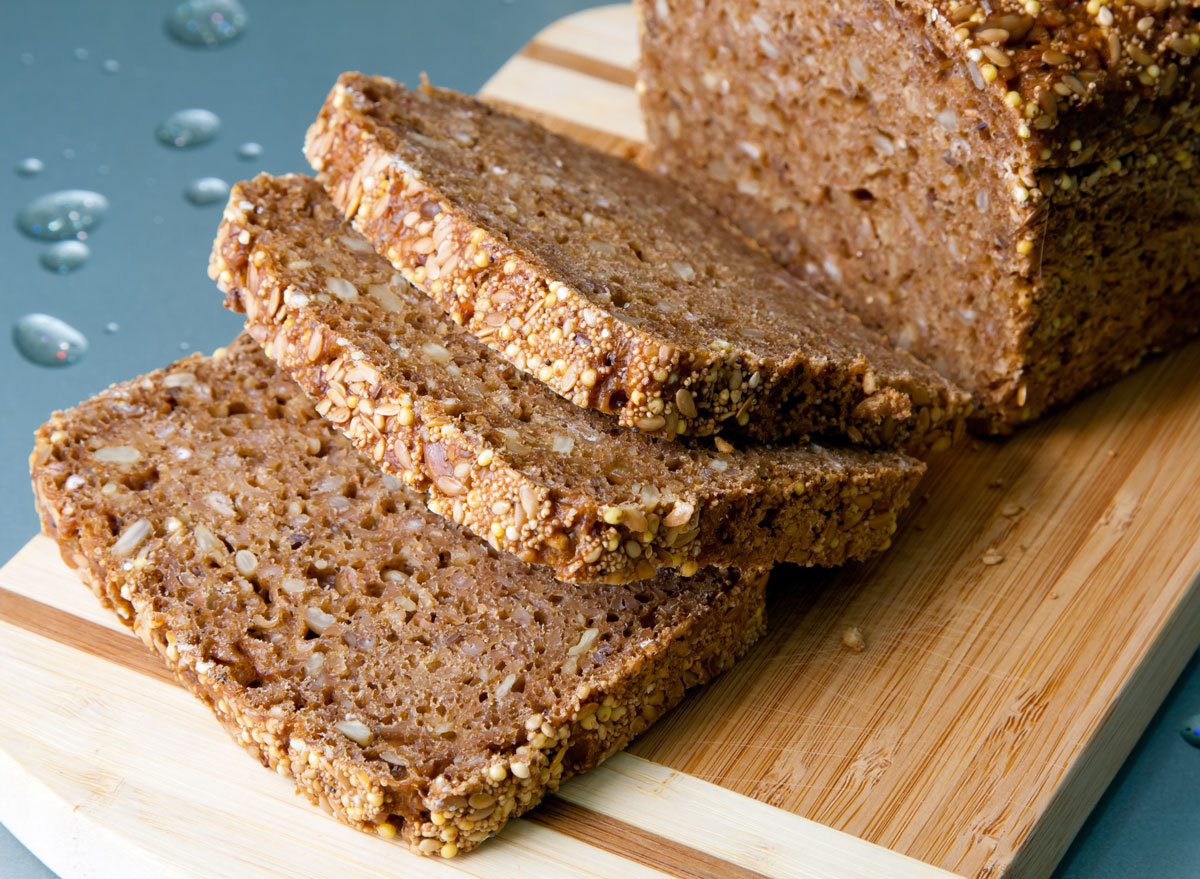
112 327
189 128
1191 731
47 341
70 213
68 153
207 23
206 190
183 346
66 256
82 55
30 167
27 58
103 169
249 150
112 65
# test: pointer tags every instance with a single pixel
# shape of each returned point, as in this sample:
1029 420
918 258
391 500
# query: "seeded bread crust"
501 454
409 680
618 290
1008 189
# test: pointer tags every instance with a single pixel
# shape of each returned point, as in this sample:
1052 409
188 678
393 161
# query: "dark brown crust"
748 507
444 810
1105 74
813 369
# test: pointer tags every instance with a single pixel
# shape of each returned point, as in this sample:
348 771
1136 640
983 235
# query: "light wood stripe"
607 33
570 95
754 835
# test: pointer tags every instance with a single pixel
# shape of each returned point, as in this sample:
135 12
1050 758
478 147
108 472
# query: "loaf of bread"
408 678
614 287
499 452
1008 188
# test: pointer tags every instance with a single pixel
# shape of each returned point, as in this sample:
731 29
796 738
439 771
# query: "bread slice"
406 676
617 289
500 453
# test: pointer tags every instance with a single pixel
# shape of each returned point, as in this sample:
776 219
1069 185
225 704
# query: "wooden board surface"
989 709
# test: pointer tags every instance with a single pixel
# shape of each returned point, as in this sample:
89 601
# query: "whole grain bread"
500 453
408 678
1008 189
617 289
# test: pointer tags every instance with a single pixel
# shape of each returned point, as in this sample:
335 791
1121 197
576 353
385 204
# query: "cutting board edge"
1127 719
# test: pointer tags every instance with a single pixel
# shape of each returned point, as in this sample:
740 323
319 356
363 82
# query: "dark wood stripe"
632 842
58 625
593 67
579 822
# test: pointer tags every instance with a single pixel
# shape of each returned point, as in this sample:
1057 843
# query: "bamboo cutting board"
990 707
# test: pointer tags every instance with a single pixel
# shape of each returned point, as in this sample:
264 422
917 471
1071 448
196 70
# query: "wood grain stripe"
578 822
628 840
580 63
62 627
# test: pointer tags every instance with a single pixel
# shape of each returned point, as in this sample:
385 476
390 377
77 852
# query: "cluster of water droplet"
67 217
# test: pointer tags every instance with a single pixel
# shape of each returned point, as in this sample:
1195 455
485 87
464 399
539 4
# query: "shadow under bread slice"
603 270
405 675
500 453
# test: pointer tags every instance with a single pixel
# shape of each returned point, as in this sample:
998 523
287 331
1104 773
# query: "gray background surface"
95 130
